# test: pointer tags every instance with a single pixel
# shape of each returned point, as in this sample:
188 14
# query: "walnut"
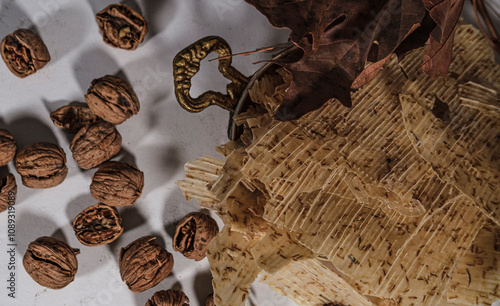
121 26
95 144
51 262
112 99
7 147
171 297
193 234
209 301
24 52
117 183
41 165
72 118
98 224
144 263
8 192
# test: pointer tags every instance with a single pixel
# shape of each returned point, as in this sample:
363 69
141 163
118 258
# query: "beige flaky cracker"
477 279
278 249
309 282
454 122
199 175
233 267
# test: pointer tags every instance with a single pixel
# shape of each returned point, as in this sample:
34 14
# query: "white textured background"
159 140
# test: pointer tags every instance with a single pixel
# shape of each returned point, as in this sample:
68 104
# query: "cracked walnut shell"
97 225
72 118
170 297
7 147
51 262
41 165
24 52
121 26
117 184
144 263
95 144
112 99
193 234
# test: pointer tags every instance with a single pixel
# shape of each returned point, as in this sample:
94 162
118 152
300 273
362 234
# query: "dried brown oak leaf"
97 225
338 38
7 147
144 263
117 183
95 144
41 165
72 118
112 99
170 297
446 14
24 52
193 234
121 26
8 192
51 262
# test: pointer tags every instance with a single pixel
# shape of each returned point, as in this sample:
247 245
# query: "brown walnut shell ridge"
144 263
7 147
51 262
112 99
8 192
95 144
117 183
170 297
41 165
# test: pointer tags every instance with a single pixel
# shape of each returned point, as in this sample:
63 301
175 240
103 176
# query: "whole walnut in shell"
112 99
95 144
8 192
7 147
97 225
117 183
41 165
51 262
24 52
144 263
193 234
170 297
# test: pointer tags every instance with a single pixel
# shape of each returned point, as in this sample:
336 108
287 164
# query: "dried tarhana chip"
199 175
232 266
459 141
454 122
278 249
309 282
477 278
